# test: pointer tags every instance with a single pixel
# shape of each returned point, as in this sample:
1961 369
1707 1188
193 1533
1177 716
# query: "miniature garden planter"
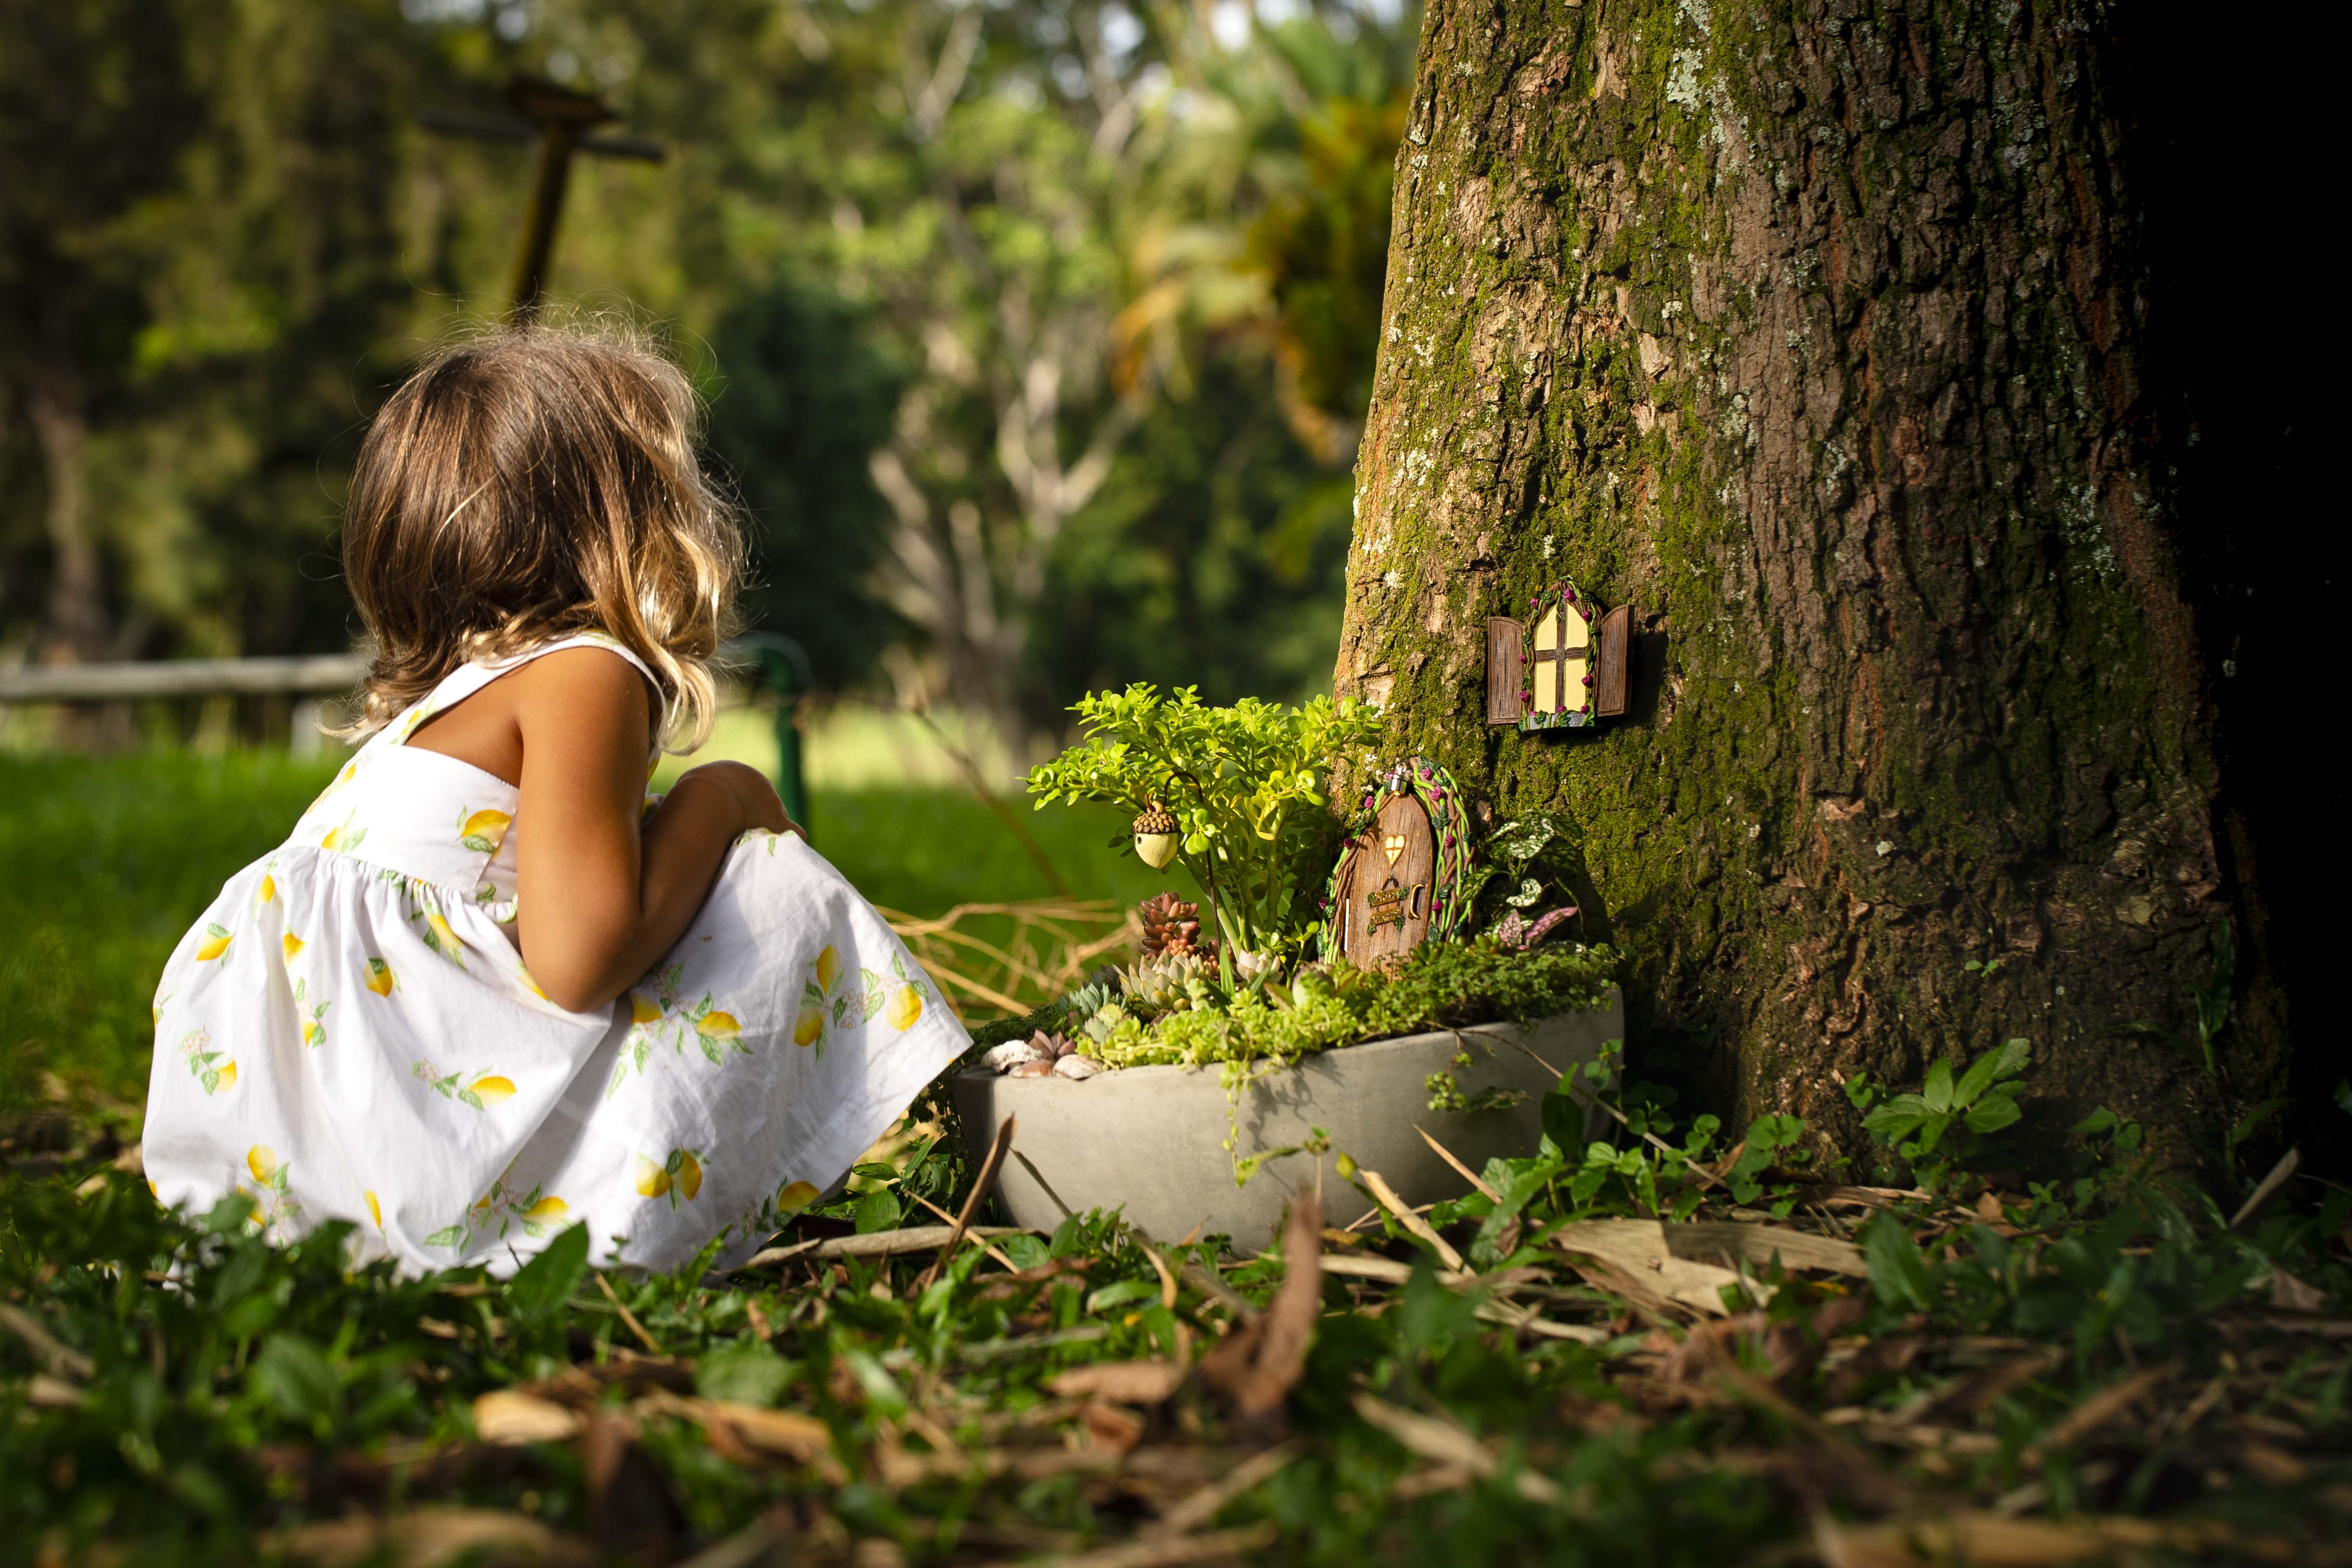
1151 1141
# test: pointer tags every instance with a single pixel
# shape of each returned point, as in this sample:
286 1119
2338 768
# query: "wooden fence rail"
775 662
153 679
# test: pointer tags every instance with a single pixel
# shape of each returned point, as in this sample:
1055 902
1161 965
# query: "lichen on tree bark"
1811 329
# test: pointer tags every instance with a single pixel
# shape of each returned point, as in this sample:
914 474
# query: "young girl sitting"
489 988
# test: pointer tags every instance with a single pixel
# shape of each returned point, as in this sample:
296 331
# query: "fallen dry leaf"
506 1416
1112 1427
426 1538
1702 1240
1256 1366
2289 1294
1639 1250
1995 1541
802 1438
1127 1381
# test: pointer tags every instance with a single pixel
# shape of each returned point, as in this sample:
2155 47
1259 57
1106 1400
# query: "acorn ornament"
1155 836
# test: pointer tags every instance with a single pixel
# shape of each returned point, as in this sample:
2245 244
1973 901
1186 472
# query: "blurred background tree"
1036 333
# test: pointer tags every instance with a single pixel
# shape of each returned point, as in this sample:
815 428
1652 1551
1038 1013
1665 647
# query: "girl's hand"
742 794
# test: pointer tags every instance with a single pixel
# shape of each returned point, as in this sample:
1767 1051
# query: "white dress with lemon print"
350 1033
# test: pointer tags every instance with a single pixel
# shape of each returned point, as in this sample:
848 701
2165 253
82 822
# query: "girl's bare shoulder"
586 688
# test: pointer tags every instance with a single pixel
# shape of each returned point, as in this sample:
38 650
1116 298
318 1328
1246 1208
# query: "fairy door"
1388 883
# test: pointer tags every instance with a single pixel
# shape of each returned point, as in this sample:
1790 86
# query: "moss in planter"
1441 985
987 1037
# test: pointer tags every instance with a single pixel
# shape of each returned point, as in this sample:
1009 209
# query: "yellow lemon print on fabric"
828 968
228 1079
375 1210
312 1015
906 1006
262 1161
215 943
653 1180
718 1026
530 984
547 1209
156 1192
442 940
484 831
690 1174
292 944
492 1089
794 1197
266 891
644 1009
380 978
809 1027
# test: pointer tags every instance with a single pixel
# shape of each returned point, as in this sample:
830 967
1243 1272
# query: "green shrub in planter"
1244 784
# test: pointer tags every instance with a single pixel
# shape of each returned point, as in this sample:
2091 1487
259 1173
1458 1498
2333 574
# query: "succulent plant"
1172 925
1105 1019
1168 981
1089 999
1051 1048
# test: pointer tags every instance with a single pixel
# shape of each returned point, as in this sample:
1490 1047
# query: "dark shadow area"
2233 398
1648 681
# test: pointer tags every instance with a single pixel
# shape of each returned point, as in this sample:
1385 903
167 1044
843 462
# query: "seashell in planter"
1150 1141
1011 1055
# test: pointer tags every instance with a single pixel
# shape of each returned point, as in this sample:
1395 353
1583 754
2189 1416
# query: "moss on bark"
1811 329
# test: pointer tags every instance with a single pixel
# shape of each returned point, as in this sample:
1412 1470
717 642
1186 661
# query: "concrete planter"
1150 1141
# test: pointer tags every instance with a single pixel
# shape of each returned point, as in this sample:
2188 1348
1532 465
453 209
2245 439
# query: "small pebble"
1079 1067
1032 1069
1011 1055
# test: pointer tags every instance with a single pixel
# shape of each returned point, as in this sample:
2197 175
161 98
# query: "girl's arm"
604 893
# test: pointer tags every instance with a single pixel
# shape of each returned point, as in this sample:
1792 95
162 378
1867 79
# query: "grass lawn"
105 861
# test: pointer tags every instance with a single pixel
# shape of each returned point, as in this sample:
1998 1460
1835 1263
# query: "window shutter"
1613 679
1506 670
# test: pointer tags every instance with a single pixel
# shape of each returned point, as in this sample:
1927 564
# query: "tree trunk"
1814 332
54 404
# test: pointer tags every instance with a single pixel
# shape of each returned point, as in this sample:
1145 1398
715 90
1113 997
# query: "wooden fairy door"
1387 883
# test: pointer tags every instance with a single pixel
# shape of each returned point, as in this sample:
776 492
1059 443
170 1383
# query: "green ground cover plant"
2108 1369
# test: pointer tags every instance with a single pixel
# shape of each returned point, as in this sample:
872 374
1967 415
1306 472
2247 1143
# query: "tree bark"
1813 330
54 404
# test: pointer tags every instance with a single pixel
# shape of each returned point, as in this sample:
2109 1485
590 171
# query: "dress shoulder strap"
467 678
579 639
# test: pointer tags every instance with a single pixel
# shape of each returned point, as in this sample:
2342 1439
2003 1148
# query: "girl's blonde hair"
534 483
